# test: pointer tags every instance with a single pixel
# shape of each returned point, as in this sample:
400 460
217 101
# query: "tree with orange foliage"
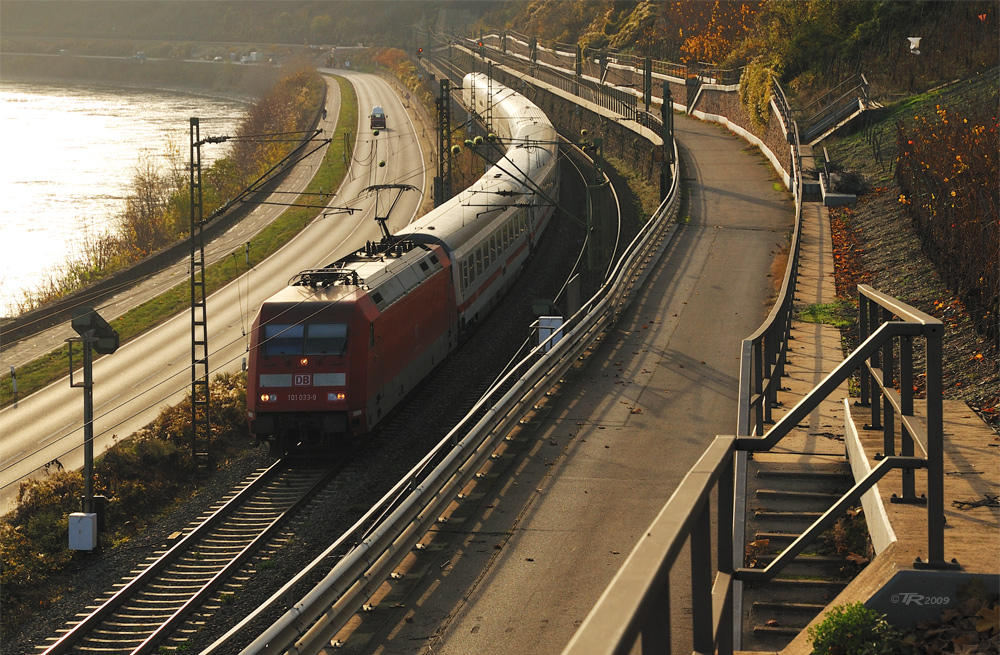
708 30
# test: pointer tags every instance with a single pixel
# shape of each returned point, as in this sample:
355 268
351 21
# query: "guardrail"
762 354
404 515
637 602
887 326
876 310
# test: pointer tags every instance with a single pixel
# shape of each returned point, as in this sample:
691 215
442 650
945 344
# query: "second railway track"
177 586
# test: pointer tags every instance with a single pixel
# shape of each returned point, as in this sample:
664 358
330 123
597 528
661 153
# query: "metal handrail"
828 518
762 361
876 310
637 602
823 99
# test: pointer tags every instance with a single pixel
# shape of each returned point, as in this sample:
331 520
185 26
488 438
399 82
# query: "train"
337 349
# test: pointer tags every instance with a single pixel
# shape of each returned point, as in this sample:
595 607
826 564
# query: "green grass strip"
55 365
839 314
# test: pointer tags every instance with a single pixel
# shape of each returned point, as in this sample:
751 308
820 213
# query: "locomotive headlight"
340 395
269 397
304 361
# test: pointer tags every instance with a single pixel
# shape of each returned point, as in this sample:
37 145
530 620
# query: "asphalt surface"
152 371
517 566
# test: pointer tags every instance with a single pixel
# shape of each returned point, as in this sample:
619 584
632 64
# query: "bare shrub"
141 226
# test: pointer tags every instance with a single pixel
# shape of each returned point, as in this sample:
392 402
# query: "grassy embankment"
882 241
55 365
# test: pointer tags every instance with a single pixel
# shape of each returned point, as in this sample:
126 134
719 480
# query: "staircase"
786 493
833 109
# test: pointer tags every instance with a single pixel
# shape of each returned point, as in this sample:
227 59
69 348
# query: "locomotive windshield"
325 338
307 339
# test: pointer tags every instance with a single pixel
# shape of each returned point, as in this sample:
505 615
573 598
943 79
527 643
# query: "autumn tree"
141 226
707 31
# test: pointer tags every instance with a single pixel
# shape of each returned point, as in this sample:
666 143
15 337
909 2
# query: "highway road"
153 371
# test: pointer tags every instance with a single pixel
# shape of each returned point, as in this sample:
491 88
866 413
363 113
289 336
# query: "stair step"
787 492
780 540
799 608
777 631
797 495
809 565
790 499
788 615
804 473
795 516
782 521
803 481
797 590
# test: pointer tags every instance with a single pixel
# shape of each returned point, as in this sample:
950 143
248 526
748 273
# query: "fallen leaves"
972 626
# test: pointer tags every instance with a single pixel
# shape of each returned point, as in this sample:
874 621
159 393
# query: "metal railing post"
906 409
771 392
863 332
888 415
935 453
876 397
701 581
656 630
725 563
758 377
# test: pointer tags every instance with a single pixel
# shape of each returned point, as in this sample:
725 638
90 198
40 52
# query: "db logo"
303 380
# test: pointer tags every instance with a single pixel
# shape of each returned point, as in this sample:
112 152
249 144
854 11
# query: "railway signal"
94 333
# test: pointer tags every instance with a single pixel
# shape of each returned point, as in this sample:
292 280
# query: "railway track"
179 585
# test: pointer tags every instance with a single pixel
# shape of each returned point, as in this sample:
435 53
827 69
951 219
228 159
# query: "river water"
69 154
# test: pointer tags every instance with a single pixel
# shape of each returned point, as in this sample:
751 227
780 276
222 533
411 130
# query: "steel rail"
149 639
